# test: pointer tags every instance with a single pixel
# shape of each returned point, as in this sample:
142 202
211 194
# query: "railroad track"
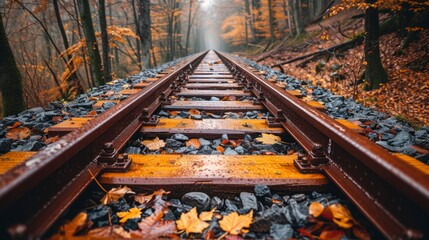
391 191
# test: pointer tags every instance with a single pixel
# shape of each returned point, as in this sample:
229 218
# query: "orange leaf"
316 209
194 142
235 224
92 113
108 232
190 222
154 199
18 133
220 149
77 224
225 142
173 113
194 112
16 124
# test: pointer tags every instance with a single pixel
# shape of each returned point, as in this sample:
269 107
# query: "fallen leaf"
207 216
77 224
16 124
114 194
235 224
316 209
173 113
18 133
52 139
92 113
194 112
190 222
154 144
342 216
154 199
194 142
220 149
108 232
331 235
361 233
268 138
153 227
57 119
132 213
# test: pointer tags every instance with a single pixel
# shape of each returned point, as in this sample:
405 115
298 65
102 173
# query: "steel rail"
35 193
393 195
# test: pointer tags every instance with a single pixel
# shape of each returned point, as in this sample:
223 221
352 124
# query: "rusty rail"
34 194
391 193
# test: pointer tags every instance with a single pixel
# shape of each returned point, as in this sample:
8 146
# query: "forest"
57 49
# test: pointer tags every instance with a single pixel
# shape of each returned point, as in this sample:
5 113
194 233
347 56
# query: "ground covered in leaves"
120 214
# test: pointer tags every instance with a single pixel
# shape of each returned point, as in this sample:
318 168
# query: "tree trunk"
188 30
10 77
91 42
249 19
136 22
374 71
271 20
104 40
73 83
295 9
145 32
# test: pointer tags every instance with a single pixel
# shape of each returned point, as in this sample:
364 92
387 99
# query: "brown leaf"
77 224
361 233
114 194
153 227
57 119
331 235
316 209
194 142
108 232
235 224
190 222
194 112
132 213
268 138
52 139
18 133
154 199
92 113
154 144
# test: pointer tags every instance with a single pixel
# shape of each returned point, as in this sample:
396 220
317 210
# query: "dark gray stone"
196 117
205 150
281 231
229 151
133 150
230 206
224 137
248 201
262 191
260 225
216 202
180 137
108 105
184 114
171 143
214 99
204 142
240 150
5 145
299 197
199 200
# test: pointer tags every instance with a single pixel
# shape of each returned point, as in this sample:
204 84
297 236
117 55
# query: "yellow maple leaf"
190 222
114 194
342 216
235 224
154 144
207 216
268 138
132 213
